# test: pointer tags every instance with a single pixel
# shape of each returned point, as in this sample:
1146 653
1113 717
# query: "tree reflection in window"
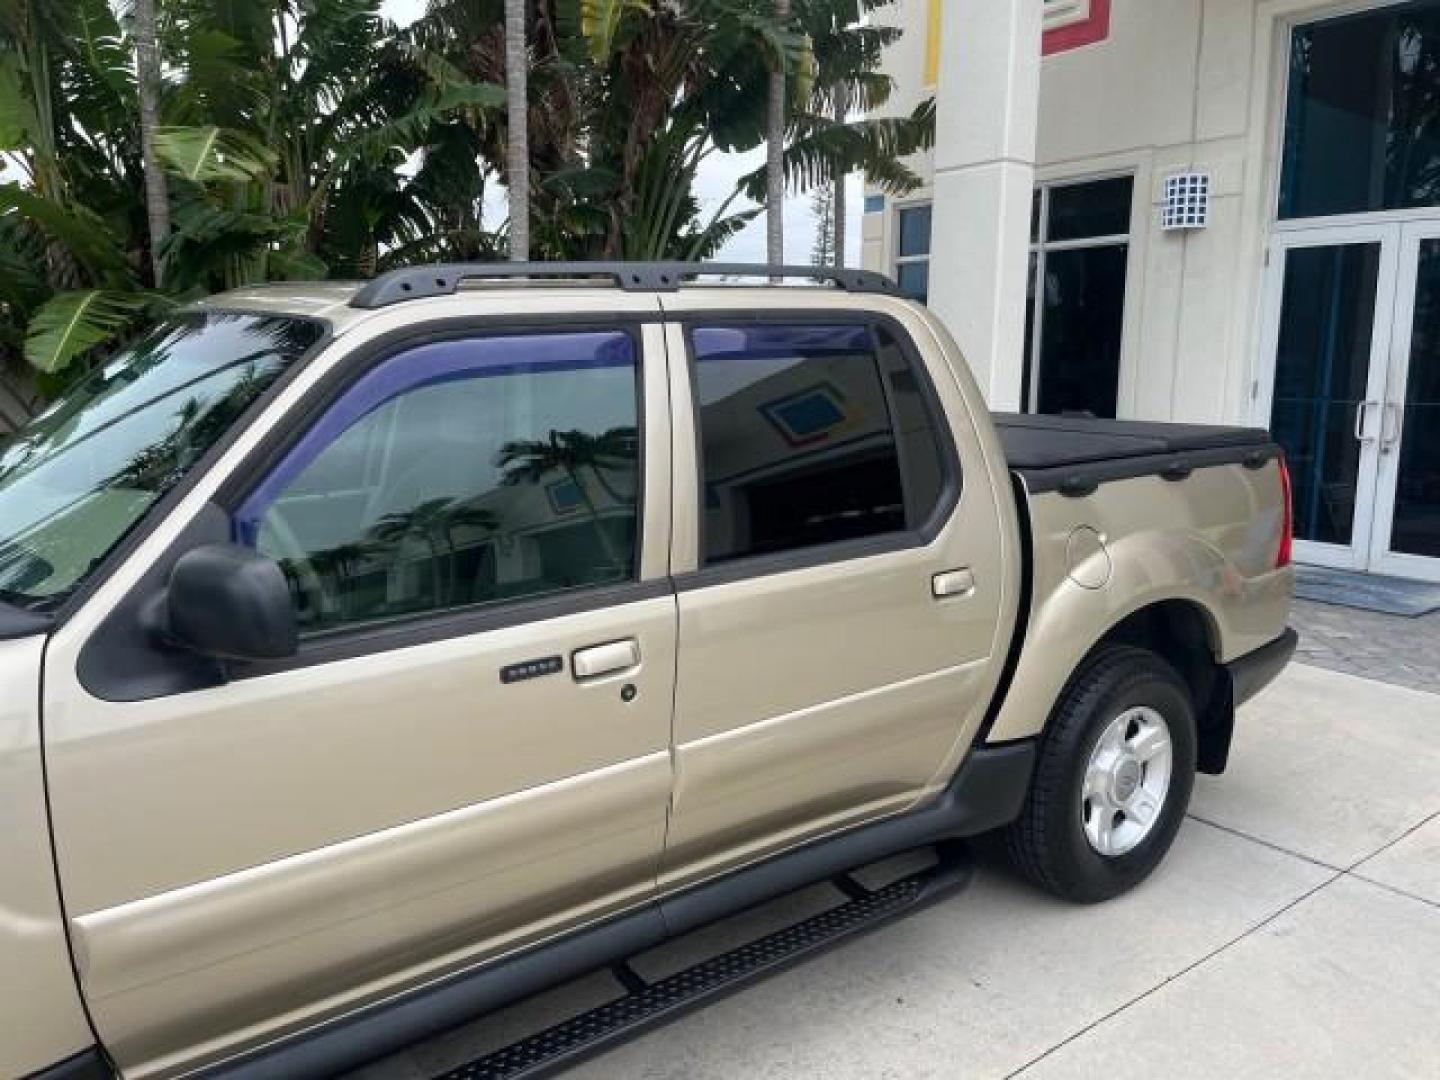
1362 130
456 474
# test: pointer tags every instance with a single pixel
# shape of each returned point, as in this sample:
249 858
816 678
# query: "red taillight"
1287 531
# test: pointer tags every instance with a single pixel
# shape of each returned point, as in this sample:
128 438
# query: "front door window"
460 473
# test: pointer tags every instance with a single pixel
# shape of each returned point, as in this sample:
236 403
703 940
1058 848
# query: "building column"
986 106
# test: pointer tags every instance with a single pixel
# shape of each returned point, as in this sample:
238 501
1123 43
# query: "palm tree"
67 275
274 121
338 564
461 516
434 521
822 209
826 141
285 133
517 108
849 54
574 453
147 84
626 102
775 152
425 522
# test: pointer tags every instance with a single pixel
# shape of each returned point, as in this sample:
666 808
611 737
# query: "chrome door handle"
950 583
1389 432
1362 416
598 661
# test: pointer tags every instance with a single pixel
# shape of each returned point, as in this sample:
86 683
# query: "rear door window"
810 434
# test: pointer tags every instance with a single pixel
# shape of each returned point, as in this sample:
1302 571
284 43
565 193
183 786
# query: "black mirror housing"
227 602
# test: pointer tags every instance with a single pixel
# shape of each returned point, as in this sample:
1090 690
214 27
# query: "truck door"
471 750
842 584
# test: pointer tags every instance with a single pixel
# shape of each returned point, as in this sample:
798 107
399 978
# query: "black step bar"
648 1005
418 282
986 793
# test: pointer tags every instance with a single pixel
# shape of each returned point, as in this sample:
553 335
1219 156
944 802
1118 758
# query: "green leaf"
411 128
469 95
83 233
71 324
17 114
285 265
205 155
600 21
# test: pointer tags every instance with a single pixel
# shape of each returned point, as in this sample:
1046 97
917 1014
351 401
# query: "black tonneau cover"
1075 454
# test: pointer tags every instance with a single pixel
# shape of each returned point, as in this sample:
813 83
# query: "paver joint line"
1336 874
1177 975
1240 834
1395 889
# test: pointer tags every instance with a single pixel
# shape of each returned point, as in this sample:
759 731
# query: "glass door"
1329 308
1407 521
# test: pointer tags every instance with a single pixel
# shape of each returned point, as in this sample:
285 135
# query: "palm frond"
410 128
70 324
82 232
600 23
211 154
18 122
822 149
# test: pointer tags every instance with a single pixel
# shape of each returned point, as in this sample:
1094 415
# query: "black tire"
1047 842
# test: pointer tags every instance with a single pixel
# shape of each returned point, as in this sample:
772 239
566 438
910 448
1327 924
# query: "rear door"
472 750
842 590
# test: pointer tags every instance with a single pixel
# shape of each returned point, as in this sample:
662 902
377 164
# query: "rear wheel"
1113 780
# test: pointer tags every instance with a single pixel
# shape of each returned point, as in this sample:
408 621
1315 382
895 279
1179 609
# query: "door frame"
1357 554
1399 235
1385 560
82 738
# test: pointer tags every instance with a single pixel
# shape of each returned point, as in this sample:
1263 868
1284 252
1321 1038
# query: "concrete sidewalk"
1294 931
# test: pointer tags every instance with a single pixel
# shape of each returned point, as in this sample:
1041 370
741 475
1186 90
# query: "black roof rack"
413 283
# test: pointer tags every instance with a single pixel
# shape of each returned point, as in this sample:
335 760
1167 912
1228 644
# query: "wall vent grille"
1186 203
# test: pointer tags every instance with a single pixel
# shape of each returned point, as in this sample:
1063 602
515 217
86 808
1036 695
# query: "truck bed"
1074 454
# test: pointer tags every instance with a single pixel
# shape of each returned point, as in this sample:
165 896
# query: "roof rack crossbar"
417 282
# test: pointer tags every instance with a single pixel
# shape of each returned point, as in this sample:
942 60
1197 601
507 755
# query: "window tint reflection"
809 435
1362 131
457 474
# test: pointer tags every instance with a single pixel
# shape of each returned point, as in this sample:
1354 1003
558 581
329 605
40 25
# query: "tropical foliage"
312 138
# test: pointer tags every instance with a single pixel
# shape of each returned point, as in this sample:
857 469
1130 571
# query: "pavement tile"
1334 982
979 984
1411 865
1329 766
1341 985
1392 648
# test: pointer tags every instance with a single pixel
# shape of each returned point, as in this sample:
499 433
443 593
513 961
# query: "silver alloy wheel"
1126 781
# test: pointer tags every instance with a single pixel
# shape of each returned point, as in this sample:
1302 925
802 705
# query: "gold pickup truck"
373 656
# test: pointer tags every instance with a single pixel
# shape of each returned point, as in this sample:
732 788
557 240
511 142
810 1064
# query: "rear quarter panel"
41 1021
1209 540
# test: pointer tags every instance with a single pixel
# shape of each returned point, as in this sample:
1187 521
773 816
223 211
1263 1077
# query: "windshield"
77 478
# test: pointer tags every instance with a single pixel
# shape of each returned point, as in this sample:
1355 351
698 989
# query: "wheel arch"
1182 630
1185 634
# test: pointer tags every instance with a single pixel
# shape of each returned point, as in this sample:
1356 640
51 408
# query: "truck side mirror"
227 602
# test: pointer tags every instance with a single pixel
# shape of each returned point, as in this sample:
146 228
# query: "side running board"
648 1004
